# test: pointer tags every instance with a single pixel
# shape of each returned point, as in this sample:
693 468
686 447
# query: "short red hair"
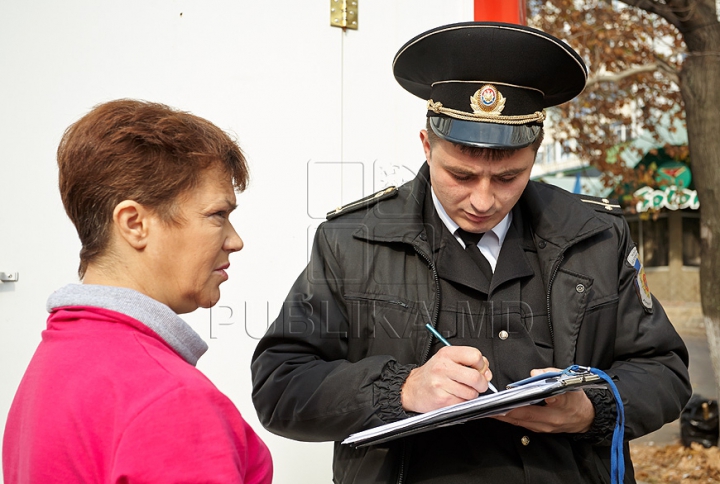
141 151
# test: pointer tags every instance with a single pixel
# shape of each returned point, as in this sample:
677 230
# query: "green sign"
672 198
673 173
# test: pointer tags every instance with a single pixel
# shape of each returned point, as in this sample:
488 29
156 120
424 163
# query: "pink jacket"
106 400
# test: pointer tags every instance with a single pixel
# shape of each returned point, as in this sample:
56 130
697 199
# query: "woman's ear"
132 222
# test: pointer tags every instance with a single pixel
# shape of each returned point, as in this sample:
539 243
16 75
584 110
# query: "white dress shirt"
490 243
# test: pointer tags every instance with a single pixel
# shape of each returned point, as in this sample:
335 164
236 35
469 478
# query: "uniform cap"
486 83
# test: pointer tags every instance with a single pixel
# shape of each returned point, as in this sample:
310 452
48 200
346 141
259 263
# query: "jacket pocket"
383 324
381 298
603 304
599 330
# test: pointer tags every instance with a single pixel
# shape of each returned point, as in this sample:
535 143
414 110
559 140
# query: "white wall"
316 110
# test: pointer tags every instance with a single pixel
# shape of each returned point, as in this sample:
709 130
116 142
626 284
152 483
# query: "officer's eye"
459 177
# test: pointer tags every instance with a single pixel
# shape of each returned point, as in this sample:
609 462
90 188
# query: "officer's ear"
427 147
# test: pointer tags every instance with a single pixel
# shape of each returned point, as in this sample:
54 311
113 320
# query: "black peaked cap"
489 82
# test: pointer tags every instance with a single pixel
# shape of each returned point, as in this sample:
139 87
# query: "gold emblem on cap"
487 100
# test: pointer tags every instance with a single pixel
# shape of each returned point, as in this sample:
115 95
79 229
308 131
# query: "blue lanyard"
617 461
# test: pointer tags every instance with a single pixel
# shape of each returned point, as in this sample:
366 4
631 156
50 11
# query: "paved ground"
702 379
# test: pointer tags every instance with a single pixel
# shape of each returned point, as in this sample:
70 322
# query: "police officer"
517 276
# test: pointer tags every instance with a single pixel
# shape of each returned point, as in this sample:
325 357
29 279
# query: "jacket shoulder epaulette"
605 205
364 202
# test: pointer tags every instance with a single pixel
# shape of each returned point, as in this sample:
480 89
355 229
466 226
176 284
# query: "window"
691 238
652 239
634 224
620 131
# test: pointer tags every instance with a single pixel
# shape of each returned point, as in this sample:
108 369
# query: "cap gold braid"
537 116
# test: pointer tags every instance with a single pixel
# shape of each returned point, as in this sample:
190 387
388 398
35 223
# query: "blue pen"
446 343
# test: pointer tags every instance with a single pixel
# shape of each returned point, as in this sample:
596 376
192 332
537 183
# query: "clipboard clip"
571 375
578 374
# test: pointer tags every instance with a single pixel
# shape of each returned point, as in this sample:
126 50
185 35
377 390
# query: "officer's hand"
571 412
453 375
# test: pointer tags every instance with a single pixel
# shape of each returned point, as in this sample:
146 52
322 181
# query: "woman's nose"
233 242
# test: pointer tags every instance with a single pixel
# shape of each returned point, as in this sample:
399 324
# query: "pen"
446 343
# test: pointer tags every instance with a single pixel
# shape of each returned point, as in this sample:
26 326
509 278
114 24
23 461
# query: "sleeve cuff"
387 391
601 430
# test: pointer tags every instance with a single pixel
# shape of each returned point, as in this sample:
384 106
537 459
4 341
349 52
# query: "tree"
649 59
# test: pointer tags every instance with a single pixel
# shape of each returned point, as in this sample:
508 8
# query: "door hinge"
9 276
344 13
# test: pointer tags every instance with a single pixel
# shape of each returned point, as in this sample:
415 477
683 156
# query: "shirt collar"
500 230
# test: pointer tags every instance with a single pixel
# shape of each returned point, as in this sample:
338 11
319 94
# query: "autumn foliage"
633 58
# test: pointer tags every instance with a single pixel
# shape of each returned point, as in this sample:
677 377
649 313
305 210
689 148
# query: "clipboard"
518 394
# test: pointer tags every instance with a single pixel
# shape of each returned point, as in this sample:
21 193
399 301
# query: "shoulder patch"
641 286
365 202
604 205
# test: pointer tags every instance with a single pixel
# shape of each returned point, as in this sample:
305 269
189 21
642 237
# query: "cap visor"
485 135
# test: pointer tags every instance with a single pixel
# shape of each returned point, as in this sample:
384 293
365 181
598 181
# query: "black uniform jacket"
352 328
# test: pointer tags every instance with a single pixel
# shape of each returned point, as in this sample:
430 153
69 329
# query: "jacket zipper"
436 313
436 309
550 283
401 474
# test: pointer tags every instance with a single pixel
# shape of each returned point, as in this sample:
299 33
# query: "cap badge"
487 100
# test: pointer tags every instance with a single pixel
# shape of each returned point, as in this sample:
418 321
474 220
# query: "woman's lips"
221 270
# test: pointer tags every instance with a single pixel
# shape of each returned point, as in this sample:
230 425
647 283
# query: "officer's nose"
482 197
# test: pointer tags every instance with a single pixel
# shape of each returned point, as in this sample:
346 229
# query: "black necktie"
471 240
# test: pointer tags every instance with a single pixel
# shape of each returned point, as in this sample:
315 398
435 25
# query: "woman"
112 394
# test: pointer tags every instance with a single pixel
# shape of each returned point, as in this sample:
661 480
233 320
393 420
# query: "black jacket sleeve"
304 386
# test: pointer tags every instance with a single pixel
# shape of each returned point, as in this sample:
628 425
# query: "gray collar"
153 314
